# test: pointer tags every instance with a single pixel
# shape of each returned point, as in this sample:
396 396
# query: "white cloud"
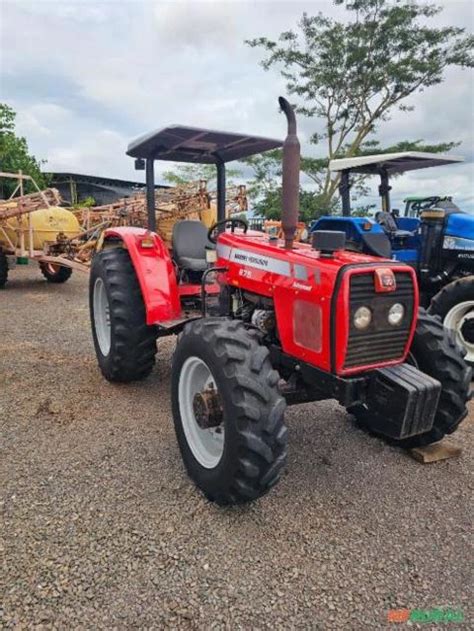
94 154
454 180
196 25
86 77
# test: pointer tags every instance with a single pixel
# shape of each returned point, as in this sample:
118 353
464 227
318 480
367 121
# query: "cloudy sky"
86 77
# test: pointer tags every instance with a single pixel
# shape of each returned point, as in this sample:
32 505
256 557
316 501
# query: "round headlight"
362 317
395 314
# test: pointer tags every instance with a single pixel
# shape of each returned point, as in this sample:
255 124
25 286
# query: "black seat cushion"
189 245
195 265
388 223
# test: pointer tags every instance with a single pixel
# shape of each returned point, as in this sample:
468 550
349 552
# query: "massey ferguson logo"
384 280
265 263
249 259
388 280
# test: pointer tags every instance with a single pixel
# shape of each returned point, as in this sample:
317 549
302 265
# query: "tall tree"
353 74
185 173
265 186
15 155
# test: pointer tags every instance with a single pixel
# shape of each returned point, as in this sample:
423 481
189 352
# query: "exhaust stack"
291 176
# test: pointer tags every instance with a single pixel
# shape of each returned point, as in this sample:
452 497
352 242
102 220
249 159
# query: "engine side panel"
460 225
306 290
458 240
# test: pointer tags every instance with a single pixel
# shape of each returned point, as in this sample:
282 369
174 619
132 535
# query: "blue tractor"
433 235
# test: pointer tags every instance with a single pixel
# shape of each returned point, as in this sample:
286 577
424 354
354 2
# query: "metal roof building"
76 187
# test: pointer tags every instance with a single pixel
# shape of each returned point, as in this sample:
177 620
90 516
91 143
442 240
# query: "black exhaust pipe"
291 176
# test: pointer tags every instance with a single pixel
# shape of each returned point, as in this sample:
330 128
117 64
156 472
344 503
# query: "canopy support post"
384 190
345 192
150 194
221 214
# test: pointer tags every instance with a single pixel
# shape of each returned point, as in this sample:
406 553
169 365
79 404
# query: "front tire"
55 273
435 352
124 344
227 410
455 306
3 269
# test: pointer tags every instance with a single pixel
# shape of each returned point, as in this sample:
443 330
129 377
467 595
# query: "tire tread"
134 348
258 409
60 276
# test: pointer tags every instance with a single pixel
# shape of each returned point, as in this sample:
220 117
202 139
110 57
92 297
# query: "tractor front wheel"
455 306
55 273
228 412
435 352
3 269
124 344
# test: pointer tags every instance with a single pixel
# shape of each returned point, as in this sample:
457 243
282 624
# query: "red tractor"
263 323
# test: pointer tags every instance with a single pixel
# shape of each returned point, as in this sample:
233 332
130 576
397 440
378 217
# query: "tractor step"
170 327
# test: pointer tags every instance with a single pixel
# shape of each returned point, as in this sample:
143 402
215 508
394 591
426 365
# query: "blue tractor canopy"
433 234
384 165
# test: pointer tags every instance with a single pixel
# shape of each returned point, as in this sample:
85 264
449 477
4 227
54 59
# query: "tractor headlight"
395 314
362 318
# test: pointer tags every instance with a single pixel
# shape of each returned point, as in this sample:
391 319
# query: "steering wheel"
423 204
224 222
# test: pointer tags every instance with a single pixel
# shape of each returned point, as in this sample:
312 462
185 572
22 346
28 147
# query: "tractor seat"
189 245
388 223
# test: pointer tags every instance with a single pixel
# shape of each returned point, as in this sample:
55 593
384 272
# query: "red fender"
155 272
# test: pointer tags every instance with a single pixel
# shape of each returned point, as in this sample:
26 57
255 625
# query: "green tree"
266 169
311 206
15 156
352 74
317 168
185 173
265 191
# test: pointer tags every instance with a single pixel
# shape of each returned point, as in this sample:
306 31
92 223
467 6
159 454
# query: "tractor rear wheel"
3 269
435 352
455 305
124 344
228 411
55 273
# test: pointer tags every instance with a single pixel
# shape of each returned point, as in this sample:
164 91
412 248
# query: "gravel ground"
101 528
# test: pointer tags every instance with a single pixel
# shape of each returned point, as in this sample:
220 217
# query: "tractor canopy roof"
392 163
201 146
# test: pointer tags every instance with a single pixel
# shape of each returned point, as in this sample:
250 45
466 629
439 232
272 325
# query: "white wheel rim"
102 316
456 319
206 445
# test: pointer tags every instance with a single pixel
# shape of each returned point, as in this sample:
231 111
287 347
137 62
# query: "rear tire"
435 352
3 269
124 344
55 273
243 456
455 306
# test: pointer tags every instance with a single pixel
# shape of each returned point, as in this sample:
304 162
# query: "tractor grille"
380 341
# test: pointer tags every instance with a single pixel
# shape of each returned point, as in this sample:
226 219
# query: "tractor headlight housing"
362 318
395 314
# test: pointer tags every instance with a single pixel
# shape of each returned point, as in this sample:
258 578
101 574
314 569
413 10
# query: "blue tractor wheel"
455 305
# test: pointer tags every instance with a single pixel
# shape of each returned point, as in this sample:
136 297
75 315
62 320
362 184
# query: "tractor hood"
460 225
